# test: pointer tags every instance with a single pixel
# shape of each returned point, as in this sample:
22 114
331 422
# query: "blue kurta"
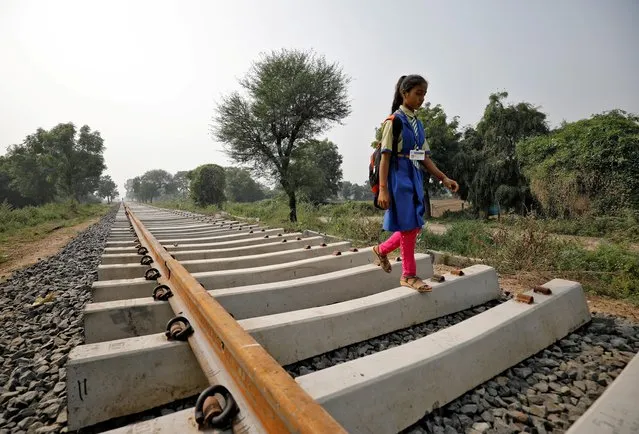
405 182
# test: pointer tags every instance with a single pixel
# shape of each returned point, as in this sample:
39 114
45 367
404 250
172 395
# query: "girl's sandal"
415 283
382 260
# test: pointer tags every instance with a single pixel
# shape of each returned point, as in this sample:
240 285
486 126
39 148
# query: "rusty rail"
226 352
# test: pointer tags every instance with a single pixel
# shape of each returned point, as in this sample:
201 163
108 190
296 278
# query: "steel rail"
269 399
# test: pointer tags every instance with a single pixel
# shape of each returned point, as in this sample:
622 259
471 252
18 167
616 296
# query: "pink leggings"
406 240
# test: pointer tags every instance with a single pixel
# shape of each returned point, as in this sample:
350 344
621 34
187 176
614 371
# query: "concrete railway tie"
251 300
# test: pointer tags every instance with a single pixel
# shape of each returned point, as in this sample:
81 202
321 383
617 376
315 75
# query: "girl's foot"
382 260
415 283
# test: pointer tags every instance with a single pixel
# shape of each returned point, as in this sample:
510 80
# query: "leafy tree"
207 184
241 187
55 163
292 96
443 136
8 193
588 166
351 191
181 181
346 190
497 177
154 184
132 187
316 170
78 163
29 167
107 188
443 139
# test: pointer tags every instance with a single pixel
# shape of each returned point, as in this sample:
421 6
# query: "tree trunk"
292 204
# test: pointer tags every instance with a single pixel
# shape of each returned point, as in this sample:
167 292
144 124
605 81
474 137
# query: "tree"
346 190
132 187
207 184
107 188
316 170
588 166
443 140
181 181
53 164
497 178
351 191
241 187
8 193
30 169
153 184
78 163
292 96
467 160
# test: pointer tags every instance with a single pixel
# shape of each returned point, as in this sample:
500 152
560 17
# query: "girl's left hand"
451 184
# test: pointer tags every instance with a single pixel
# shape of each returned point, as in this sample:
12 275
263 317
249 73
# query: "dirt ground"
439 206
525 282
28 253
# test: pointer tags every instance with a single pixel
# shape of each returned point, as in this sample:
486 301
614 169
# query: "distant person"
401 188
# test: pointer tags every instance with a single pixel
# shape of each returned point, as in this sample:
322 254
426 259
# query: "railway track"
299 333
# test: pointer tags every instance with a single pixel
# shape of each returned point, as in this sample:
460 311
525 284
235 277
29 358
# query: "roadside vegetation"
32 223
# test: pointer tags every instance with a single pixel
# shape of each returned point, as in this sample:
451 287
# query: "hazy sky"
148 74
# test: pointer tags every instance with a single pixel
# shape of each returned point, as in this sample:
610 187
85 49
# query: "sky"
149 74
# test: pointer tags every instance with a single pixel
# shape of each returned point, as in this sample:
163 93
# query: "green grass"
524 245
611 270
617 228
19 226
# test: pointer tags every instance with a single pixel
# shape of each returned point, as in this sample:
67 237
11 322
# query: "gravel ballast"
41 321
385 342
547 392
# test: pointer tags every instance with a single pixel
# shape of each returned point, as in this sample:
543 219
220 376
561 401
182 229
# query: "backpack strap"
398 126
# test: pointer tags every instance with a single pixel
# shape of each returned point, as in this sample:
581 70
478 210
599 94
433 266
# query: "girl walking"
401 185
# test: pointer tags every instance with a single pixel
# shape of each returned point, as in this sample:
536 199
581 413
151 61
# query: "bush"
467 238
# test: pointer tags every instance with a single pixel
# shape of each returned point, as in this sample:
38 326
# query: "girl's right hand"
383 199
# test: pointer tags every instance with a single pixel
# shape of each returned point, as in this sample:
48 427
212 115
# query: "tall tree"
208 182
498 179
467 160
316 170
443 139
181 182
132 187
292 96
31 170
241 187
8 192
78 163
107 188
